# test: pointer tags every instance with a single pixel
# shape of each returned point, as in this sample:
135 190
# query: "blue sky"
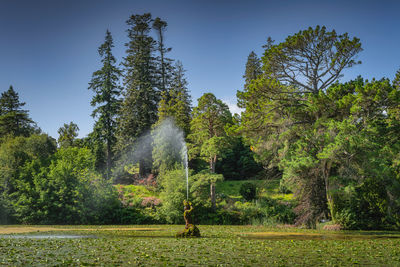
48 48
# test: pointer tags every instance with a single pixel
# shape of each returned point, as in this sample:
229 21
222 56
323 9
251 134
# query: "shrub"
248 191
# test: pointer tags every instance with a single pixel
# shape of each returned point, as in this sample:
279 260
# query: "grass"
219 246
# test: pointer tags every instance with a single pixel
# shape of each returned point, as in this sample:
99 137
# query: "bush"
366 207
173 193
248 191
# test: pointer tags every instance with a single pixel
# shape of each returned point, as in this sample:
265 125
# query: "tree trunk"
212 194
213 162
326 171
108 160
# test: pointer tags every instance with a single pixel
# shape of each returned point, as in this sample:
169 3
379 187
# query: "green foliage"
314 129
208 135
200 184
139 107
172 195
367 207
237 161
141 96
67 134
253 68
248 191
176 103
42 186
163 63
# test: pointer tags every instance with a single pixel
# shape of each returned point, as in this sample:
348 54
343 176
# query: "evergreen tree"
141 97
253 68
177 103
106 99
14 120
282 109
164 64
396 80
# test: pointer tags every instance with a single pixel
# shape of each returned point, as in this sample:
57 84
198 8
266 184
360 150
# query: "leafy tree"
174 192
286 108
141 97
176 103
238 163
106 99
200 186
67 134
208 131
64 189
17 155
312 59
13 119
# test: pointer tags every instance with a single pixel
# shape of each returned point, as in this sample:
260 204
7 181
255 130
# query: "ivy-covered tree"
105 84
141 97
13 119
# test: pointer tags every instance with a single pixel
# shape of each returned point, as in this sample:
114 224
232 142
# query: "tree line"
45 180
334 145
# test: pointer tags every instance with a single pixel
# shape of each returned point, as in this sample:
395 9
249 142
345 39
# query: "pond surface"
47 236
316 236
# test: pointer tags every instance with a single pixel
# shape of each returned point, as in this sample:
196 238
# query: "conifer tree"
13 119
174 112
396 80
164 67
141 97
105 84
253 68
177 102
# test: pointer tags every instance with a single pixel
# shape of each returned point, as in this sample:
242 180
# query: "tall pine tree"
141 96
253 68
177 102
174 111
105 84
164 67
13 119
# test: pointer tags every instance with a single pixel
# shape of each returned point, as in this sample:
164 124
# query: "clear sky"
48 48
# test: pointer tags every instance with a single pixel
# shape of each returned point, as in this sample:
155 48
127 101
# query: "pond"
318 236
46 236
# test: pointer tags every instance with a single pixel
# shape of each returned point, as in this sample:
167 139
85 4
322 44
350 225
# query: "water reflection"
47 236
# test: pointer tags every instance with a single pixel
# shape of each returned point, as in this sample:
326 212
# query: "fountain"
186 165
